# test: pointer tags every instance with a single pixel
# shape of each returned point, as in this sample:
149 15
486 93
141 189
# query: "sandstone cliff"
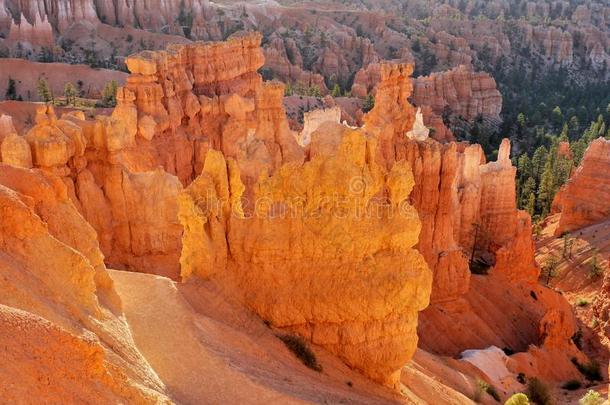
60 317
197 174
583 200
459 92
306 258
175 106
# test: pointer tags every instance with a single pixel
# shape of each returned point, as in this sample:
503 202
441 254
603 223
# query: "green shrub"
538 392
591 398
582 302
482 387
571 385
300 349
518 399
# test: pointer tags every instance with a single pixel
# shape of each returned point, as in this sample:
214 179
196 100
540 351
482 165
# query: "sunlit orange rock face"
192 98
327 251
196 173
468 212
60 318
124 171
459 91
583 200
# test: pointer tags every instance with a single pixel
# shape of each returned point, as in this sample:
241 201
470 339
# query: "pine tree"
369 103
11 90
596 269
336 92
562 170
574 127
314 91
70 94
546 189
524 172
529 188
288 91
109 94
549 269
567 246
564 133
531 204
538 161
557 116
578 149
44 91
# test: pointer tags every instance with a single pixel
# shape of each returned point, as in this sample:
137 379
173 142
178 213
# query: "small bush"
300 349
591 398
589 370
582 302
538 392
518 399
571 385
482 387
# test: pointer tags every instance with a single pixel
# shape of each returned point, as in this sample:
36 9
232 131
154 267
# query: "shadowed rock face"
583 200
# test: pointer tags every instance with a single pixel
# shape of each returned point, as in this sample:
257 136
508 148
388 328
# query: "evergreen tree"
529 188
288 91
524 172
549 269
531 204
369 103
596 269
557 117
314 91
578 149
538 162
44 91
109 94
70 94
11 90
564 136
546 189
336 91
563 169
574 127
185 19
567 246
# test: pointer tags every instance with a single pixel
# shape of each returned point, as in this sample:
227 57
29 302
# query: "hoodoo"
389 258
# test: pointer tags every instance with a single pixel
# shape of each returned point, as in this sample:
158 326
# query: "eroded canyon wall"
320 256
197 172
60 318
583 200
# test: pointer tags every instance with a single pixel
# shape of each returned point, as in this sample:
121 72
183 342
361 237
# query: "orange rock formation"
458 91
60 317
306 258
197 174
583 200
